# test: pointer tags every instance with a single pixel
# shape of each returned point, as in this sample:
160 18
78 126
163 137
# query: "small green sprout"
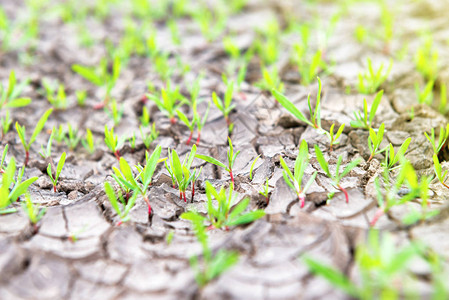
114 112
426 59
294 179
370 82
391 158
252 167
308 67
425 96
231 159
5 151
168 101
81 97
147 139
169 237
180 172
200 122
54 179
189 123
315 115
265 192
6 122
225 106
112 141
89 142
221 216
125 207
333 137
72 138
10 97
8 195
336 178
442 139
59 134
34 212
442 176
132 141
46 153
56 96
365 121
270 80
22 133
145 117
374 141
212 265
101 76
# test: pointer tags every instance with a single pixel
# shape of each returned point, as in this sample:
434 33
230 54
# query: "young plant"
426 59
56 96
374 141
180 173
231 159
383 269
212 265
294 180
5 151
10 97
145 117
88 142
225 106
59 134
101 76
442 176
168 101
22 133
391 158
5 123
200 122
33 211
189 123
124 207
8 195
442 139
147 139
365 121
114 112
46 153
315 115
54 179
270 80
252 167
81 97
71 137
308 65
336 178
265 192
334 137
370 82
425 96
112 141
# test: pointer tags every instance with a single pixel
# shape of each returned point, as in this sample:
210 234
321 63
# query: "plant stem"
54 188
184 196
173 120
198 138
444 184
119 223
148 203
345 192
117 154
190 138
377 215
302 201
27 157
232 177
193 189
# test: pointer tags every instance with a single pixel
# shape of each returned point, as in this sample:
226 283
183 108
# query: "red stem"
148 203
193 190
54 188
232 177
27 157
120 223
302 201
184 196
268 200
198 138
173 120
117 154
379 213
144 99
345 192
190 138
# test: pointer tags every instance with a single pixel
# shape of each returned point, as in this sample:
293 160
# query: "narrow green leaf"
88 73
290 107
247 218
112 197
212 160
322 161
374 106
40 125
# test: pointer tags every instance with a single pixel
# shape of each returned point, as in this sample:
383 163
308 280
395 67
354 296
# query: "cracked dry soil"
134 261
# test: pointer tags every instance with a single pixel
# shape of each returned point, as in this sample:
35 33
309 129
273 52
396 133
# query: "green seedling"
180 172
383 268
252 167
59 134
370 82
221 216
200 122
374 141
141 183
231 159
112 141
266 44
89 142
211 22
390 197
56 96
33 211
147 139
442 139
54 179
22 133
265 192
145 117
391 158
81 98
315 115
5 151
101 76
169 237
442 107
270 80
174 32
294 180
212 265
426 59
387 21
168 101
10 97
225 106
71 137
8 195
114 112
425 96
308 66
189 123
336 178
124 207
442 176
132 141
6 122
46 153
365 121
333 137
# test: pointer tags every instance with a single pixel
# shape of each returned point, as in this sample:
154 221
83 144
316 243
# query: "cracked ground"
78 252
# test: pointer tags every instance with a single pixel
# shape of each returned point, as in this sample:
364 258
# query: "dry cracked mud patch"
78 252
